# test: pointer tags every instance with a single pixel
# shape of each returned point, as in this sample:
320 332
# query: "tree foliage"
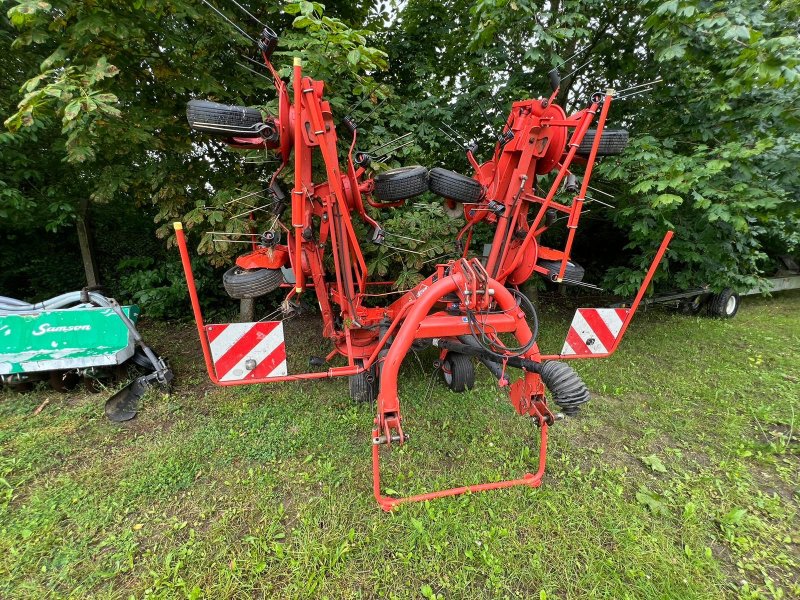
718 150
94 95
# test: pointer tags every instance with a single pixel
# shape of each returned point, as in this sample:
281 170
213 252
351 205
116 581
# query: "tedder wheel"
401 184
573 272
224 119
459 372
364 386
613 142
454 186
251 283
724 305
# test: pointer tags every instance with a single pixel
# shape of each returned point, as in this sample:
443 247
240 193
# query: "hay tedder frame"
463 307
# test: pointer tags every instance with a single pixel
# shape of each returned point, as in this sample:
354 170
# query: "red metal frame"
536 142
631 311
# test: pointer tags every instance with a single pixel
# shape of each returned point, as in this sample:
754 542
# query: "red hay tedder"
462 308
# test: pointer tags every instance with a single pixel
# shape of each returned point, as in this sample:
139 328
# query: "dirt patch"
790 434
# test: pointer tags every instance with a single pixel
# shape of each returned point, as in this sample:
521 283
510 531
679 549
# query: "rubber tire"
693 306
613 142
251 283
140 359
574 271
401 184
228 120
364 386
458 372
724 305
454 186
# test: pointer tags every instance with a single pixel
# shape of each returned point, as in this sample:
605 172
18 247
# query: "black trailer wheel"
251 283
573 272
401 184
458 372
454 186
724 305
693 305
612 142
364 386
224 119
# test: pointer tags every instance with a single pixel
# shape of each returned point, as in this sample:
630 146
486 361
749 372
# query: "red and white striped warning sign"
242 351
594 330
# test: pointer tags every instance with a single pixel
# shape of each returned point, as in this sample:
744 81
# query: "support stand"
387 503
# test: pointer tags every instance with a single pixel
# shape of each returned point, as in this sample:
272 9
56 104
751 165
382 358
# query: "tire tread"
454 186
612 142
401 184
241 283
227 119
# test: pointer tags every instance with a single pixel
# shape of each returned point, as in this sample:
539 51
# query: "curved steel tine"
372 151
253 71
404 237
248 13
234 25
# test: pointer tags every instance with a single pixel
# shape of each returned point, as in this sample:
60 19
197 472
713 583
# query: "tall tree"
714 149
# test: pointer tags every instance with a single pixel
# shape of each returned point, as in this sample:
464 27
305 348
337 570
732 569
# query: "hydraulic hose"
566 386
11 306
480 337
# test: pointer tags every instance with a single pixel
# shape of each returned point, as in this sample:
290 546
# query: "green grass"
679 480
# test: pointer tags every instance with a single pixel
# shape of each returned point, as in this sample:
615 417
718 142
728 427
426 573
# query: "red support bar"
388 503
574 143
631 311
445 326
577 204
298 193
201 331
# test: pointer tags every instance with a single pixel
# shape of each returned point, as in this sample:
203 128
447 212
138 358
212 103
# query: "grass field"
681 479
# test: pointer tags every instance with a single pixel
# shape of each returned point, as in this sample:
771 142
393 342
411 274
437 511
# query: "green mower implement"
78 336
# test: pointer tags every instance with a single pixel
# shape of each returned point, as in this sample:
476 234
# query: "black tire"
573 272
401 184
140 359
458 372
693 306
364 386
224 119
251 283
140 364
454 186
724 305
613 142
